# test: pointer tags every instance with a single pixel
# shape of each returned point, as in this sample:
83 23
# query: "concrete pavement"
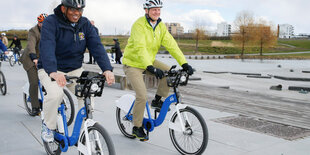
20 133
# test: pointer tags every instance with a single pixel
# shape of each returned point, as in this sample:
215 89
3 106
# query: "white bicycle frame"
86 149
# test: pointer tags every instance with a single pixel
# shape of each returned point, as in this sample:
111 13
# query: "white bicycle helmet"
3 34
153 4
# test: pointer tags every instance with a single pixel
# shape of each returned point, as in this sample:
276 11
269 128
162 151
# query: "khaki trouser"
55 95
135 77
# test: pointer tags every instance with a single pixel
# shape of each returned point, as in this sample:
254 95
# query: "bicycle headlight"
94 87
182 79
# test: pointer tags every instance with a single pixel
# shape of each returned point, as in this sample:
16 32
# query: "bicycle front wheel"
123 123
2 84
12 60
100 141
195 138
27 104
69 107
52 148
18 59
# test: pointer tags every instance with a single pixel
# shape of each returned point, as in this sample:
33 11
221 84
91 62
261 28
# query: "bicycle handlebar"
176 77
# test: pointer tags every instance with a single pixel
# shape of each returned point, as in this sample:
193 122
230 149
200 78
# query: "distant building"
286 31
175 28
223 29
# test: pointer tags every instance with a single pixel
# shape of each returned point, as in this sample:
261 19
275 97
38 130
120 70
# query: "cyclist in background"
4 39
148 34
30 60
64 37
18 45
3 50
118 52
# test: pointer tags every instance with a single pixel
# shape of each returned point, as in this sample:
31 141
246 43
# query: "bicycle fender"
26 88
125 102
81 147
90 122
173 125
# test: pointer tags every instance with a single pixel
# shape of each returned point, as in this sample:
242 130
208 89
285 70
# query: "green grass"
297 43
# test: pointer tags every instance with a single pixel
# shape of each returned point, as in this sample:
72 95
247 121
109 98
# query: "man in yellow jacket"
148 34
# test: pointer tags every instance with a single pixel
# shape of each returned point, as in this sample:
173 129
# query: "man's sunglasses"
76 9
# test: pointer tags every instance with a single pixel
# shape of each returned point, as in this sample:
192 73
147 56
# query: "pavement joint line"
21 107
31 133
228 145
162 147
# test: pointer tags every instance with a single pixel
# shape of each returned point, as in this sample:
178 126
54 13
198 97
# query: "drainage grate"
266 127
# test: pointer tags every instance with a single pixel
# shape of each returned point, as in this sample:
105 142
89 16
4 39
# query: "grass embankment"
227 47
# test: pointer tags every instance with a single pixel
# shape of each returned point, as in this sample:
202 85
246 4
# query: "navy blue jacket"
2 46
62 46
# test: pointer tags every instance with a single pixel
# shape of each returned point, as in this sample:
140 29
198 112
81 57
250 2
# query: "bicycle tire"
108 146
18 60
3 86
191 134
27 104
69 104
69 113
124 125
52 148
12 60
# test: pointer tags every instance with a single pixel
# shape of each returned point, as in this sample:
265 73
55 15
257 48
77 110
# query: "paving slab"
20 133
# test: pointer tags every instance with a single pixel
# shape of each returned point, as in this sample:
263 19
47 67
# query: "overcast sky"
117 16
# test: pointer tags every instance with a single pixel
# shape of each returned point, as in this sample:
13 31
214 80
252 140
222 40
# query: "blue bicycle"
187 128
94 139
14 59
3 56
67 101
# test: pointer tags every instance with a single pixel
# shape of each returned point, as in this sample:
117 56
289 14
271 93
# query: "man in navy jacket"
64 38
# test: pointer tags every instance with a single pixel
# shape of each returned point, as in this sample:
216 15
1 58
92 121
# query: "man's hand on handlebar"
188 68
156 71
59 78
109 76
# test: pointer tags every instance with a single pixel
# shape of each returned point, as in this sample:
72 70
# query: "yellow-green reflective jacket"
144 43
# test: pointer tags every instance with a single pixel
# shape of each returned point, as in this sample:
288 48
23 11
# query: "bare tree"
199 33
243 34
265 37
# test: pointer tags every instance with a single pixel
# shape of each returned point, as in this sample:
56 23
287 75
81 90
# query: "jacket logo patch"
81 36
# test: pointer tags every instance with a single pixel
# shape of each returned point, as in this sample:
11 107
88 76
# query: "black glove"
186 67
156 71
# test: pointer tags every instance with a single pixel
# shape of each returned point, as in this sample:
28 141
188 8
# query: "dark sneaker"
157 105
36 111
139 133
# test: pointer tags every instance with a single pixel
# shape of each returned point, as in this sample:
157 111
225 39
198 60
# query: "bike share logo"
171 99
81 36
83 112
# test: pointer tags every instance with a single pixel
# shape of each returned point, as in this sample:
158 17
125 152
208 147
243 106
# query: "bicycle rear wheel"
195 138
69 107
100 141
2 84
12 60
123 123
67 101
